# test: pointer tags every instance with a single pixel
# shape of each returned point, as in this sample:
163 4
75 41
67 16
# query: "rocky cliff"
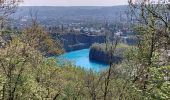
99 53
73 42
100 56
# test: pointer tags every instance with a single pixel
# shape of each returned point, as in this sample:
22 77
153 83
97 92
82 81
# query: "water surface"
81 59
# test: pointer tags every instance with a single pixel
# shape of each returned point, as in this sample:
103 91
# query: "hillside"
67 14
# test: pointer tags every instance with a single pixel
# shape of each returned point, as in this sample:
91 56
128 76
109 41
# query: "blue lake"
81 59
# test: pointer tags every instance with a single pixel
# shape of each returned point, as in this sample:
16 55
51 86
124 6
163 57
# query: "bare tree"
7 7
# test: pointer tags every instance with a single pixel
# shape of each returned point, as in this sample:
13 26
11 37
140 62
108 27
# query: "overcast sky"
73 2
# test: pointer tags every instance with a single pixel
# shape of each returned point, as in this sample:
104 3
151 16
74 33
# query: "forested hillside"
26 73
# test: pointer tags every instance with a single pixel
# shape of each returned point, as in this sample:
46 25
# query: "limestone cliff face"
104 57
98 52
73 42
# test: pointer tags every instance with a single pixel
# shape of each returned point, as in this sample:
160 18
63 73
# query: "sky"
73 2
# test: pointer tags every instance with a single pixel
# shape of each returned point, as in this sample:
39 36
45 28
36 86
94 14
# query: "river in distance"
80 58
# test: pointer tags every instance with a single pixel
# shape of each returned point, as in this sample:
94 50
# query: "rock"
100 55
73 42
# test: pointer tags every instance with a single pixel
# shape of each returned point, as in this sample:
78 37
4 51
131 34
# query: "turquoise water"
81 59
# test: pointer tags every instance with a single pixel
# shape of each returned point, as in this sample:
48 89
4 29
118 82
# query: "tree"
16 62
7 7
152 30
37 37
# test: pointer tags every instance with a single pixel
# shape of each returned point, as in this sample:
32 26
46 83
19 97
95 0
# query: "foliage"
39 39
25 73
